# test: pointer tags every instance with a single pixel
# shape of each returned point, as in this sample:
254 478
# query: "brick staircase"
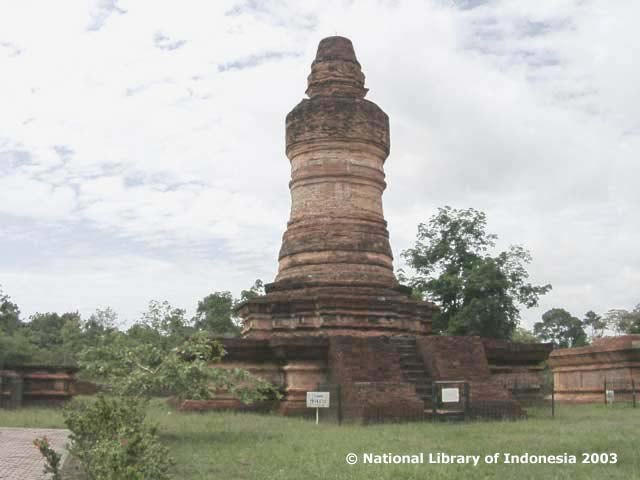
412 366
454 358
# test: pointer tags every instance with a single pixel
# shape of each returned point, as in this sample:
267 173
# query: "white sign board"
450 395
318 399
610 396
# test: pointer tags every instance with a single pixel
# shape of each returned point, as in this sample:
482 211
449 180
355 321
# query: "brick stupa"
335 271
335 317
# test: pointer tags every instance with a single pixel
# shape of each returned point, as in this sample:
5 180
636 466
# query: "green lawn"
247 446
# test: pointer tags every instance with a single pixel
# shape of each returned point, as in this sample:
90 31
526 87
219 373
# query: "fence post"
339 392
553 399
633 392
467 400
605 391
17 387
434 400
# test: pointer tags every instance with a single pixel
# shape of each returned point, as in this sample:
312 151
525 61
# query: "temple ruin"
584 374
335 314
335 268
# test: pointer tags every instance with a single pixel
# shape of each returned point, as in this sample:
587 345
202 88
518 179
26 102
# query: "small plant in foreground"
111 437
52 458
113 441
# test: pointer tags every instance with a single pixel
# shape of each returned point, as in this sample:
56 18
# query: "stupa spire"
336 71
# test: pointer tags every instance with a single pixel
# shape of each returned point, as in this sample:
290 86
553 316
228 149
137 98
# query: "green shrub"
113 441
51 457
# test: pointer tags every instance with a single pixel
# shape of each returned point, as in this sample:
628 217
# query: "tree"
111 437
16 349
215 315
45 329
163 323
256 290
478 294
595 323
522 335
102 322
561 328
622 321
635 324
9 314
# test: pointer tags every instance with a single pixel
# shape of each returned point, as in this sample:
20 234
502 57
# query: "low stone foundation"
36 385
580 373
377 378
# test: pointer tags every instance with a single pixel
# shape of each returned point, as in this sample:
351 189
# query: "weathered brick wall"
507 353
580 373
518 366
371 402
373 387
363 359
454 358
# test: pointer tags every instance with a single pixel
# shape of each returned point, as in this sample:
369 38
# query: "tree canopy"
561 328
478 293
9 314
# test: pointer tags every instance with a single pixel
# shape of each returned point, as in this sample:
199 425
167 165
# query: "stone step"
406 348
409 354
415 371
403 343
411 365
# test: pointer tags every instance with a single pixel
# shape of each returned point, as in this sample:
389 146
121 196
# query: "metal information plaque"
450 395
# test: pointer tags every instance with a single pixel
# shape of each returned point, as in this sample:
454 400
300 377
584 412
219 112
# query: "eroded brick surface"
580 373
335 271
19 458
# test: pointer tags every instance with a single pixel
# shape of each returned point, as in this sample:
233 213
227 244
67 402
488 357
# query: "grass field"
247 446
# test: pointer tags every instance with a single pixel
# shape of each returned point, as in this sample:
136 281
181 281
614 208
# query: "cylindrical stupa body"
337 143
335 273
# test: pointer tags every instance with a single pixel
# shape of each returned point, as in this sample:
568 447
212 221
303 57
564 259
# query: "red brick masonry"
580 373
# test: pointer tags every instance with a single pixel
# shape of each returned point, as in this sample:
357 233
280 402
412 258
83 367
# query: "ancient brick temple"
335 313
583 374
335 271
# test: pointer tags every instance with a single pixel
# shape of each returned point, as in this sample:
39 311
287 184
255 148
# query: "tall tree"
45 329
9 314
167 320
215 315
561 328
478 293
522 335
635 324
595 323
622 321
255 290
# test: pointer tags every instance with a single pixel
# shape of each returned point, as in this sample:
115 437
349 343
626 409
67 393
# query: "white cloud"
160 127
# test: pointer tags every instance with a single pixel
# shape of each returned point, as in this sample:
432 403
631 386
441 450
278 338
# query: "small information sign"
450 395
610 396
318 399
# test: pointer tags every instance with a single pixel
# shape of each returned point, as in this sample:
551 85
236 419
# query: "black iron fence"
619 392
454 400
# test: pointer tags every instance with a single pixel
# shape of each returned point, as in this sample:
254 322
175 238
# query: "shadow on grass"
224 437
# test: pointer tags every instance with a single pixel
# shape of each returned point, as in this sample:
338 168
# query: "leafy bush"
113 441
110 436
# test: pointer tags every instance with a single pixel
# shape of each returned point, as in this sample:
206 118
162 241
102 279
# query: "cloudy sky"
142 142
